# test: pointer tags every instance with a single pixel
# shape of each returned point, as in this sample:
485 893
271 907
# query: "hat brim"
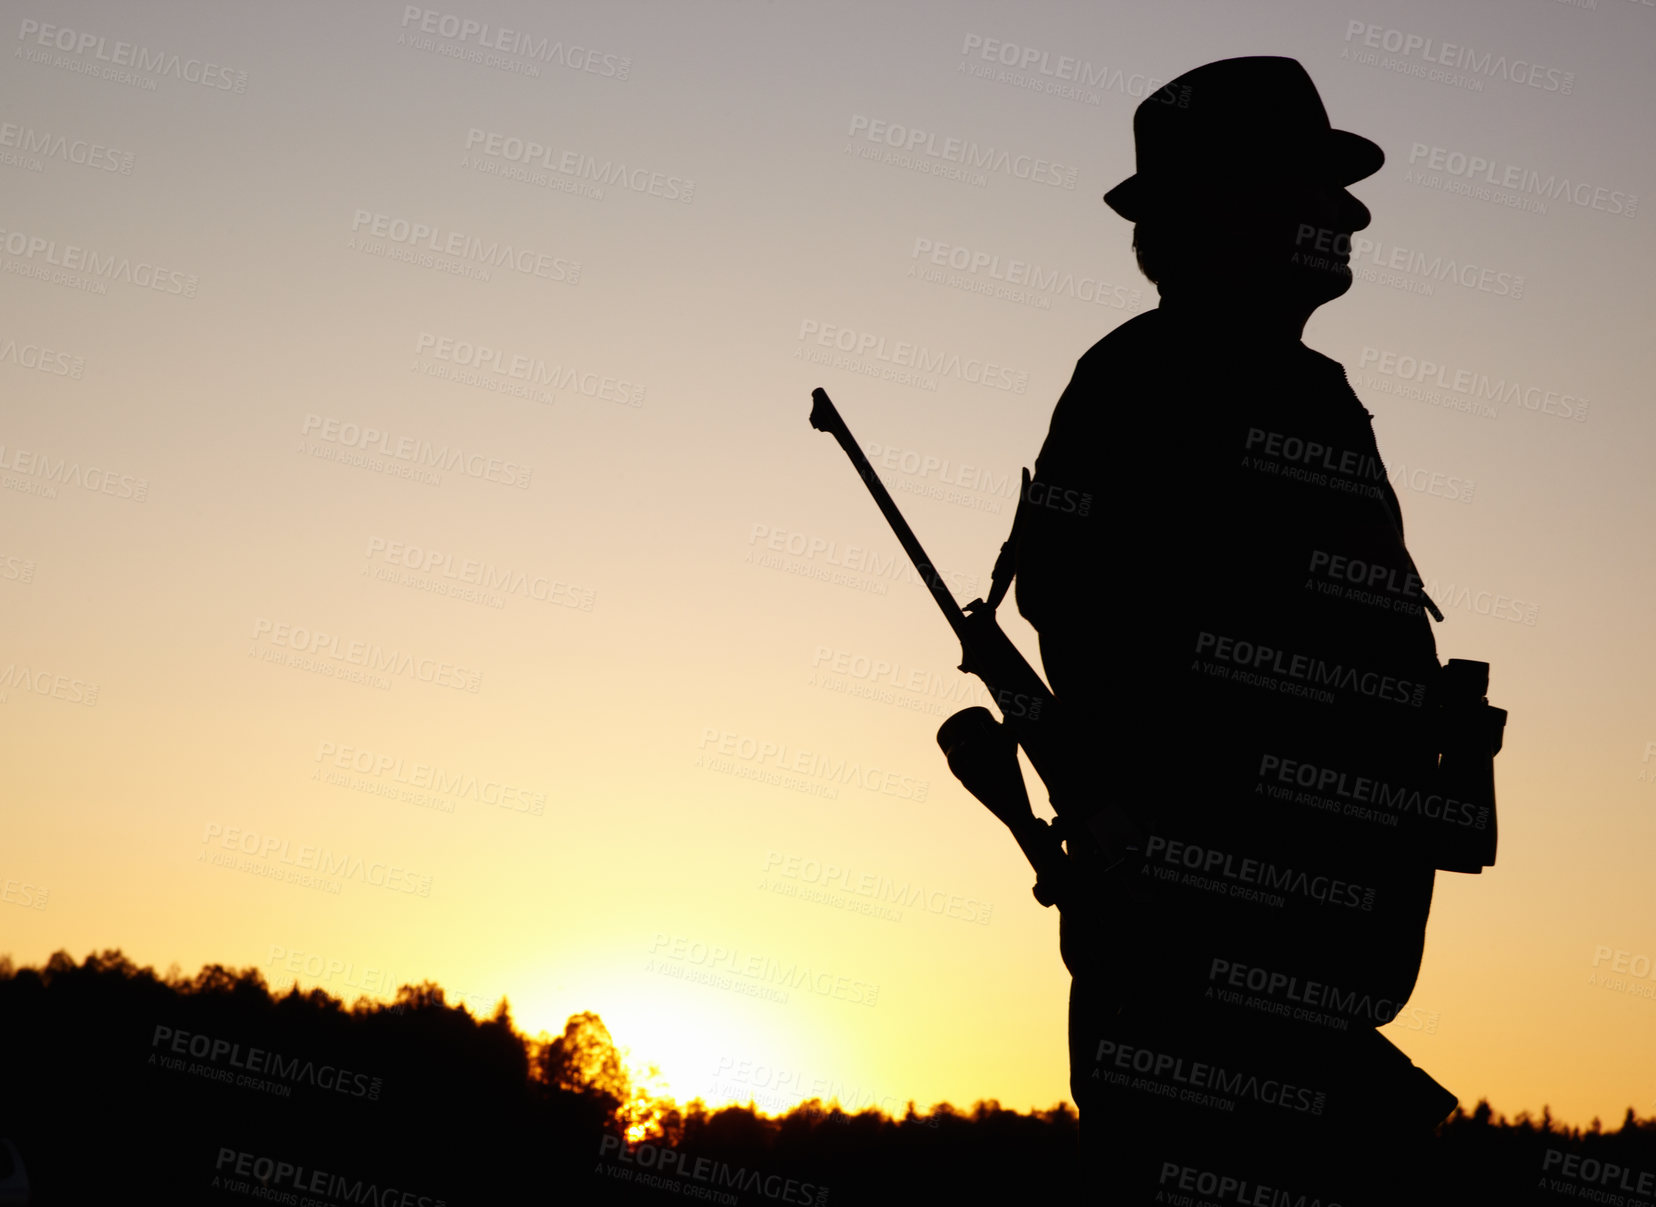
1344 158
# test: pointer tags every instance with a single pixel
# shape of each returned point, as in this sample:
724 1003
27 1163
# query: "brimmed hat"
1223 124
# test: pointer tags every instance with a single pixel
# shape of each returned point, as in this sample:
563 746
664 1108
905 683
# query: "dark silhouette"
122 1086
471 1111
1257 763
1214 560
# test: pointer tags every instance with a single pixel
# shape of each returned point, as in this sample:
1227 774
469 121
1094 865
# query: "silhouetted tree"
104 1108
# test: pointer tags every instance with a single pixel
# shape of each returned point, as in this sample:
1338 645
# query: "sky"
406 471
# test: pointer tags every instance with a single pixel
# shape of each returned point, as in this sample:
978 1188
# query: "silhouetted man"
1207 490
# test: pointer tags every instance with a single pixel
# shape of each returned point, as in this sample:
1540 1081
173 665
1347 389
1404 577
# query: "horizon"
650 1099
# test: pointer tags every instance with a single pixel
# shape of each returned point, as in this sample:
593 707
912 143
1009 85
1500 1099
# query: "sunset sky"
478 343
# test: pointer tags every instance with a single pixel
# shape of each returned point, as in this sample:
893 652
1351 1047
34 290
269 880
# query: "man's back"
1193 618
1185 617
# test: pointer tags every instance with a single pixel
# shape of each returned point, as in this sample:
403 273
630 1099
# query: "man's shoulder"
1108 391
1140 338
1151 339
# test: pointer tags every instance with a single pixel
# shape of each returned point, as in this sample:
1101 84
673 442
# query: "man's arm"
1055 543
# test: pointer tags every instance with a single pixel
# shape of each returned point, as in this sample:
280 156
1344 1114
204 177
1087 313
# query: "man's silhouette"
1199 612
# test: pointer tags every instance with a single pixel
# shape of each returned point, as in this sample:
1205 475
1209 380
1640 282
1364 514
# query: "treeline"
116 1084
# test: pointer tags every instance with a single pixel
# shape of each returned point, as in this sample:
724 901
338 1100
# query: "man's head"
1241 184
1292 244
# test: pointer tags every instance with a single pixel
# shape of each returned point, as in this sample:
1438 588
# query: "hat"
1247 118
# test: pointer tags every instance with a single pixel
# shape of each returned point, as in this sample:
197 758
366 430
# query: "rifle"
982 753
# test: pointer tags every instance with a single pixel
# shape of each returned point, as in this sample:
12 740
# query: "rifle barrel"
825 418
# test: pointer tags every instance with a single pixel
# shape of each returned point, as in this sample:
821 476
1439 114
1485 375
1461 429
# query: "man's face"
1296 235
1318 250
